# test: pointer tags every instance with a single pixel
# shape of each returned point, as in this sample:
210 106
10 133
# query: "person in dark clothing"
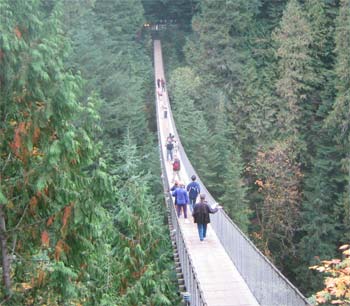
201 213
193 190
169 150
162 82
158 83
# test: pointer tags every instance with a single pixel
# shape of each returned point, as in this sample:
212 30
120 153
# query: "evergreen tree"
192 127
183 86
320 213
234 197
107 38
321 216
144 251
296 74
115 64
339 116
220 27
49 165
271 12
220 147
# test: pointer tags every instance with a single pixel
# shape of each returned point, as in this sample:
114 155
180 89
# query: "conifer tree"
144 251
220 146
220 27
296 74
234 198
107 38
190 122
48 194
320 213
340 114
271 12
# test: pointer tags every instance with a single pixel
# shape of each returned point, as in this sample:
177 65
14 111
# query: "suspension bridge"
226 269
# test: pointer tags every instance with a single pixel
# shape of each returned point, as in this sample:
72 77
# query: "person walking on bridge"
165 111
169 150
193 190
201 213
162 82
181 197
160 93
176 168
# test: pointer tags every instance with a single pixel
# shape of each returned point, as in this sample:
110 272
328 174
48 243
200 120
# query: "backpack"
193 192
176 165
169 146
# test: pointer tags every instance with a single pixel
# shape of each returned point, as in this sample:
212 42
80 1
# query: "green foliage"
234 198
296 74
105 36
115 64
53 196
65 199
280 67
260 90
190 121
218 47
144 262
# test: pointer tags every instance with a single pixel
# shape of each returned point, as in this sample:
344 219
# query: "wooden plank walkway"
219 279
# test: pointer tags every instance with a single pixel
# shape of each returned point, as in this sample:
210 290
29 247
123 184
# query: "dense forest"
260 91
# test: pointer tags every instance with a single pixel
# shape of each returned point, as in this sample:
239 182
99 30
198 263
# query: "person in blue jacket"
193 190
181 197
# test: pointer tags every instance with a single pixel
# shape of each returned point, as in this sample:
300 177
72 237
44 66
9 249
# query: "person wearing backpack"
193 190
176 168
181 197
200 215
169 150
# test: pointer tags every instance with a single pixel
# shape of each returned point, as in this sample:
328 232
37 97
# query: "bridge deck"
219 279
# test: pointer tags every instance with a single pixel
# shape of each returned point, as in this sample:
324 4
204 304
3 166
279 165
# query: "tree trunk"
4 253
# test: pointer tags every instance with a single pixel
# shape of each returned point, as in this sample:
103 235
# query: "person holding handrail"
200 215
